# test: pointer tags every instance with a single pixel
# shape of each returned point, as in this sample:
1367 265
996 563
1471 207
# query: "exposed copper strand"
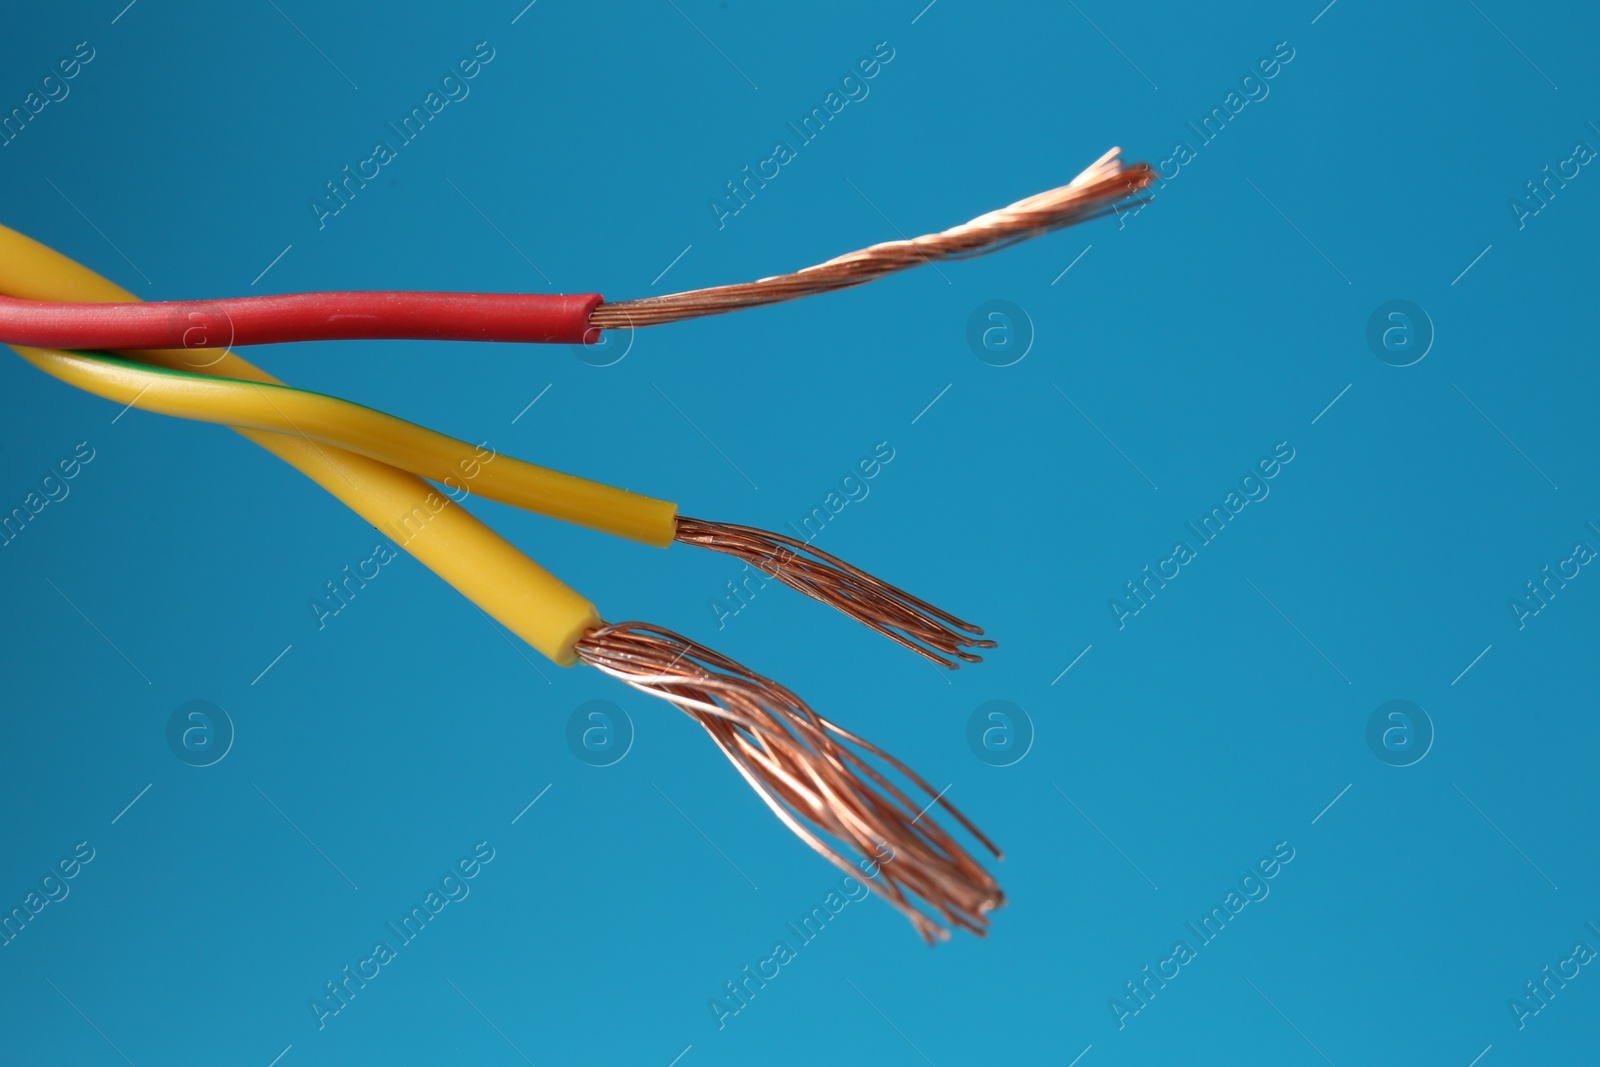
889 610
1104 186
816 777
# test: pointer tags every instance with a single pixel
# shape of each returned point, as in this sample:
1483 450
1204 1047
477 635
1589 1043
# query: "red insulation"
259 320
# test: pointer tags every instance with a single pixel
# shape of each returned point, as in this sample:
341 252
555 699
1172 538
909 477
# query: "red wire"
260 320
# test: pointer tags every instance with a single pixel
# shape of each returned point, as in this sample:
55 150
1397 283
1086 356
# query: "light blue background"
1196 335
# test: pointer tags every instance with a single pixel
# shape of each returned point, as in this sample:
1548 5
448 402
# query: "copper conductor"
809 772
1097 190
893 612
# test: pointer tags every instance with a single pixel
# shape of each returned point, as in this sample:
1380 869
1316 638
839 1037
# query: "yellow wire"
375 434
528 600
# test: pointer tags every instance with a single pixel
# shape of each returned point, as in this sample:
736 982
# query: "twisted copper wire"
1099 189
803 768
893 612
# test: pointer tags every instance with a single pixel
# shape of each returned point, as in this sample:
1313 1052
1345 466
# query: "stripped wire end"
893 612
1104 186
813 776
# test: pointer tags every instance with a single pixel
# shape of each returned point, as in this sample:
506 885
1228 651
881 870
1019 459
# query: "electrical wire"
352 427
893 612
793 758
1103 187
536 317
804 768
261 320
511 588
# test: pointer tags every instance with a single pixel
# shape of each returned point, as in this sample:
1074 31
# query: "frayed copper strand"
893 612
804 768
1099 189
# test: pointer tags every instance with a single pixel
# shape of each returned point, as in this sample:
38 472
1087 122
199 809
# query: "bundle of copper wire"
891 611
810 773
1102 187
